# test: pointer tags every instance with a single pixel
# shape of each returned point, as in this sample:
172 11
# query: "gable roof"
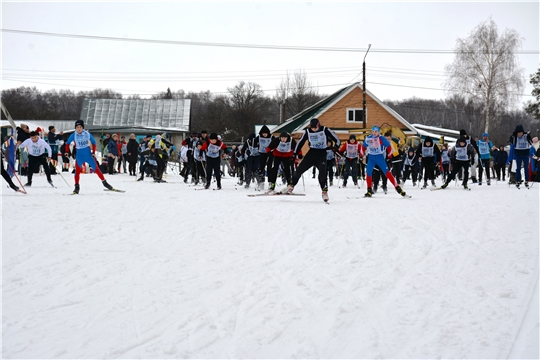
301 120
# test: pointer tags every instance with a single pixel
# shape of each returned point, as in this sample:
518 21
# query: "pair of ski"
275 194
440 188
111 190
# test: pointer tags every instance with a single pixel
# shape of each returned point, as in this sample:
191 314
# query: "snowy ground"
164 271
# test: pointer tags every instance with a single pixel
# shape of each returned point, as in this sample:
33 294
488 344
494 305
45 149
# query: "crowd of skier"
262 158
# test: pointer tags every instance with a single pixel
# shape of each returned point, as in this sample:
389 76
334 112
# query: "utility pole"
364 81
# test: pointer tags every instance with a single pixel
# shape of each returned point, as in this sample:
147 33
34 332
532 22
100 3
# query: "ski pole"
55 168
14 174
303 184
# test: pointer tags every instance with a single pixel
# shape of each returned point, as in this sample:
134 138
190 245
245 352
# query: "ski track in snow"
164 272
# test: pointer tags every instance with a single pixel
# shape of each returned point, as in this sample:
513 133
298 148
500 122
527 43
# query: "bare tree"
297 93
486 70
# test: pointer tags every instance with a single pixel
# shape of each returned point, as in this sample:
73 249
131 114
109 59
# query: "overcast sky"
145 68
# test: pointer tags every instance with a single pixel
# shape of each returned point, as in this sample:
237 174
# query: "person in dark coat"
23 133
112 145
499 162
132 154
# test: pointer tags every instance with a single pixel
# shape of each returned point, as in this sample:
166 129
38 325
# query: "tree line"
245 105
457 113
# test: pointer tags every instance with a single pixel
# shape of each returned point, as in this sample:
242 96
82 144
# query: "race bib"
317 140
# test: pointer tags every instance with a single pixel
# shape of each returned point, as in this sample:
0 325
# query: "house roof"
301 120
167 115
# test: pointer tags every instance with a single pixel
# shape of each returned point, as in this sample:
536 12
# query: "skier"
150 165
250 151
429 155
375 146
331 154
199 157
395 163
66 153
317 137
410 166
161 146
520 150
53 139
445 161
469 140
213 159
461 158
281 149
36 151
265 161
350 149
484 151
83 139
6 177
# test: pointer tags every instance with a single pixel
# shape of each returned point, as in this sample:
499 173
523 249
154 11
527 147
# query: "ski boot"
400 191
28 184
489 182
325 195
369 193
290 189
207 186
331 183
141 178
77 188
384 189
444 186
526 184
425 185
14 187
433 183
465 187
271 189
106 184
480 183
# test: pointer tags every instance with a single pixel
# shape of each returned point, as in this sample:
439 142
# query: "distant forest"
246 105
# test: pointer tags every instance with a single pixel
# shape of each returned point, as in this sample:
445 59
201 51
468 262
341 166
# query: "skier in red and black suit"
350 149
213 159
282 150
317 136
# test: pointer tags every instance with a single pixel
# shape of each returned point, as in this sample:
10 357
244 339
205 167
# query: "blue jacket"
112 146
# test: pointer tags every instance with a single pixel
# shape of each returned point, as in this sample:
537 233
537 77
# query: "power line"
233 45
137 92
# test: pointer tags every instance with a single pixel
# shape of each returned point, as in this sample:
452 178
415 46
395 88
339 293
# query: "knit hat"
519 128
376 128
462 132
352 136
79 122
213 136
462 140
314 123
284 134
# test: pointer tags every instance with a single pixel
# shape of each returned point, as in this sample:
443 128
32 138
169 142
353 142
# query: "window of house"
355 116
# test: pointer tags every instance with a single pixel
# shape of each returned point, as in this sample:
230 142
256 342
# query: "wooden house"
343 113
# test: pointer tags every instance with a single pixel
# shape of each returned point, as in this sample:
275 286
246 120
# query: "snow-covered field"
163 271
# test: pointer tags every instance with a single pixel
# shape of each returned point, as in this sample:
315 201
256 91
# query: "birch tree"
486 70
